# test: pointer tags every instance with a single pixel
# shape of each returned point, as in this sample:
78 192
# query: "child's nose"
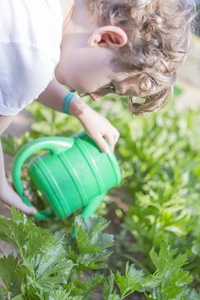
96 97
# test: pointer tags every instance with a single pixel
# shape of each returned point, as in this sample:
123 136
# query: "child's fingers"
19 204
112 138
116 136
101 143
28 195
30 210
24 184
27 191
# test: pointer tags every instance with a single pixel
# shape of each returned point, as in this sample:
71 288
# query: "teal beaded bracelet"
66 102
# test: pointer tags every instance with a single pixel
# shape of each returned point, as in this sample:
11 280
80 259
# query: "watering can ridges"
115 167
112 159
92 164
74 177
57 194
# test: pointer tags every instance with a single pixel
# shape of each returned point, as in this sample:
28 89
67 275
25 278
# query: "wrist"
66 103
77 107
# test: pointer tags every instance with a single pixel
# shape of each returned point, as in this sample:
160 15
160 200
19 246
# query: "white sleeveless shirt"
30 38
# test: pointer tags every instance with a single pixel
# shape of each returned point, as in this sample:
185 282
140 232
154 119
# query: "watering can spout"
90 209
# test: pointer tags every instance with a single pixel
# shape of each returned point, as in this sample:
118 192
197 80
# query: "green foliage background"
155 209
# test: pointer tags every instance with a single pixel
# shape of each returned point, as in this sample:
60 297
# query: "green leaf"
9 145
42 127
18 216
154 258
165 259
18 297
2 289
51 269
151 281
193 296
90 239
60 294
24 235
181 277
108 287
51 261
170 280
85 288
71 246
150 297
130 282
7 267
57 295
91 243
175 293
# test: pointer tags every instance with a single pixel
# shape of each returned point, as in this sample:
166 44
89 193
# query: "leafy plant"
159 194
163 179
49 266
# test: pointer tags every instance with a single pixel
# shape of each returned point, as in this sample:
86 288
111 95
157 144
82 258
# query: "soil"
188 79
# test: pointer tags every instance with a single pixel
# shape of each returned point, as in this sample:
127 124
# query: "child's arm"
95 125
7 193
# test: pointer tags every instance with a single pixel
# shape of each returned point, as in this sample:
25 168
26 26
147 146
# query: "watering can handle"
55 145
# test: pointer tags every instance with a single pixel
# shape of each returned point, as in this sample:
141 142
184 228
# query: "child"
95 47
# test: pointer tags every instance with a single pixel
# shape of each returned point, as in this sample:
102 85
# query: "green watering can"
73 174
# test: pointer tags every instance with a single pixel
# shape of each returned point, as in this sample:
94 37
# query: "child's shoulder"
30 36
35 23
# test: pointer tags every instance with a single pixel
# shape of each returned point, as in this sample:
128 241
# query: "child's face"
90 70
98 84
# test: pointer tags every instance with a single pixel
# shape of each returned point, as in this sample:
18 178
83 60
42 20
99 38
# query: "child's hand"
9 196
7 193
98 127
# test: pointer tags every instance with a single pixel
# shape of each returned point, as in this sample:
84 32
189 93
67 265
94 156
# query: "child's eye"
111 87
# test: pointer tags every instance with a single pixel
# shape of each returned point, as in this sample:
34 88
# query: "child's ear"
112 37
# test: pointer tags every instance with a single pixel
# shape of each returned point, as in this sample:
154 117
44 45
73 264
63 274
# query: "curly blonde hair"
159 39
